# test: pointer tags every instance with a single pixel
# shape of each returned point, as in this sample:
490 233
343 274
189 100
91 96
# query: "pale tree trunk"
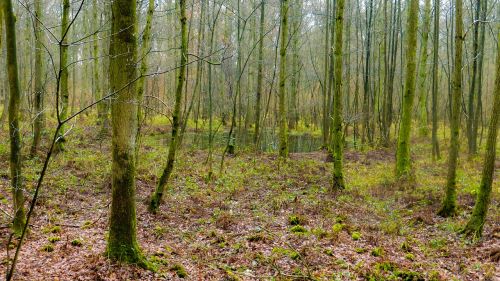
403 157
450 200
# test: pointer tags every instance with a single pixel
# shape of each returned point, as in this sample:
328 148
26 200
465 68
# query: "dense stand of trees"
362 72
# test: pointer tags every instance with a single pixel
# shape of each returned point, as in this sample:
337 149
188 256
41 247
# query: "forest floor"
260 219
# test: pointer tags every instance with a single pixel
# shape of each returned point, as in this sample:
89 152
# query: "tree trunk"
422 89
338 141
435 65
260 73
146 43
167 171
122 241
450 200
14 107
475 224
283 130
403 161
38 95
64 74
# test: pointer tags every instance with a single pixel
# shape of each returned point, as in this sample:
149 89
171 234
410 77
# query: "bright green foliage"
450 200
403 161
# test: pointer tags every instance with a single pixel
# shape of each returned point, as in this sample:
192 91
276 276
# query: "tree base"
130 255
473 228
154 203
448 210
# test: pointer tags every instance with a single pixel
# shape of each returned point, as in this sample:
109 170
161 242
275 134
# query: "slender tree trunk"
146 43
422 79
122 240
38 95
294 83
479 79
326 119
450 200
16 182
403 157
475 224
63 61
338 141
435 64
260 73
283 130
167 171
367 89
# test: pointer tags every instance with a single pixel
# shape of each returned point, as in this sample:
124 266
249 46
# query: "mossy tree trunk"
122 241
296 63
338 140
64 73
14 107
403 161
283 126
146 44
167 171
435 63
450 200
260 73
326 119
423 129
39 93
475 224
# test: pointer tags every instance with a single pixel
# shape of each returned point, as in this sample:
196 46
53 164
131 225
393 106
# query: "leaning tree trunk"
475 225
403 161
450 200
122 240
14 107
167 171
39 114
338 139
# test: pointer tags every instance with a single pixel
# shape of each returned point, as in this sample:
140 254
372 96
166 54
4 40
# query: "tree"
16 182
122 241
38 106
475 224
422 76
450 200
63 61
435 64
167 171
146 44
283 130
403 161
338 138
260 72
